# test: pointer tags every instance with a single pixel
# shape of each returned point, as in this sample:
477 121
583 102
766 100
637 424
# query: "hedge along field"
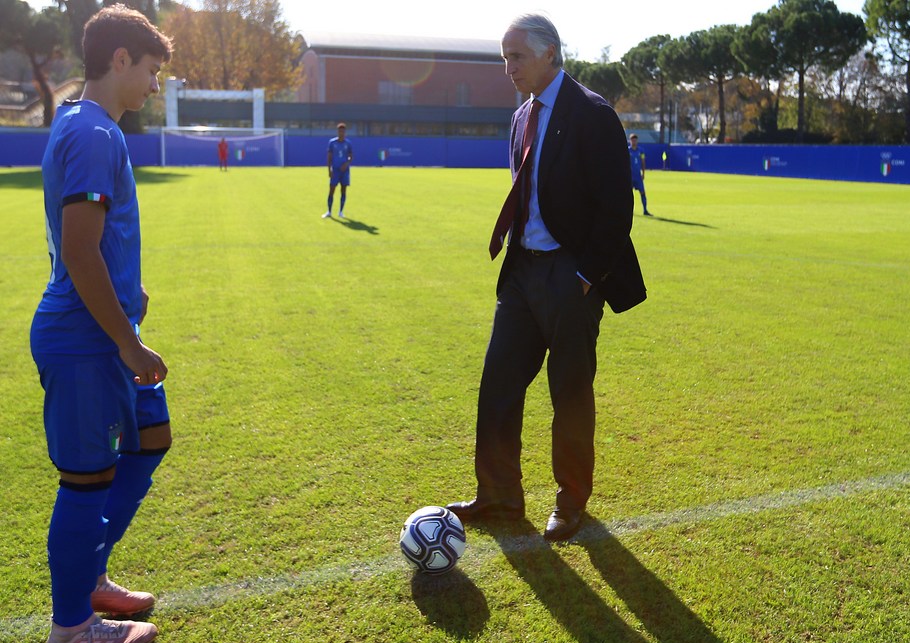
752 474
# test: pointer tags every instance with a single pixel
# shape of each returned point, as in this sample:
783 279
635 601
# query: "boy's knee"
87 481
155 438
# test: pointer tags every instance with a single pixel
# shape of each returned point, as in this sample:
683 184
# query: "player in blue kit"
105 412
637 160
340 155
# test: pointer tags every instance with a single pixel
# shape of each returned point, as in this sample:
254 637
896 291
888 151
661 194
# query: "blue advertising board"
873 163
870 164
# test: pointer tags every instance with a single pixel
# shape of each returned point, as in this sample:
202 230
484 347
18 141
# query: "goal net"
199 146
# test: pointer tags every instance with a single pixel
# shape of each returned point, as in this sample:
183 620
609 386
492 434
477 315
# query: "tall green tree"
708 55
889 20
755 48
78 12
606 79
573 66
40 36
794 36
642 65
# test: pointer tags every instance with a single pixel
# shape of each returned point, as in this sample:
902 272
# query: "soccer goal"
199 146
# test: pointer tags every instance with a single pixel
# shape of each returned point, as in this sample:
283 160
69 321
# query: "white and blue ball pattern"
432 540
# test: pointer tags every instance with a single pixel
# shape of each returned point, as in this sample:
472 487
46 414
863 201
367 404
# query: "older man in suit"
569 217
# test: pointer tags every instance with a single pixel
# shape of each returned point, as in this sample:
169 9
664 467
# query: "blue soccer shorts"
93 410
339 176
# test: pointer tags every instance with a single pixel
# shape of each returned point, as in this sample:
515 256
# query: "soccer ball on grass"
432 540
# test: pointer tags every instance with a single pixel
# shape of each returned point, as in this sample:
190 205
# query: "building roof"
413 45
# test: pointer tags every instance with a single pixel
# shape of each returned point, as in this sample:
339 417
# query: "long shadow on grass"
357 226
571 601
654 217
32 178
21 179
158 176
661 612
451 602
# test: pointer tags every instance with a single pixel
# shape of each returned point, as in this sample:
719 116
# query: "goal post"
199 146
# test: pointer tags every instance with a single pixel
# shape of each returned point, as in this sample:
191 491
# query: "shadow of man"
661 612
571 601
451 602
654 217
357 226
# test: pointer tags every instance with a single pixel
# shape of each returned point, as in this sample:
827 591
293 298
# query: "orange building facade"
411 85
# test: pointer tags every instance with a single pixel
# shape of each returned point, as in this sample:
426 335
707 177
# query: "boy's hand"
147 365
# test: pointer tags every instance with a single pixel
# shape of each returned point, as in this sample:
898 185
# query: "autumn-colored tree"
233 44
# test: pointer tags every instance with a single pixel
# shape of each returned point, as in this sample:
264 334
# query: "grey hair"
541 34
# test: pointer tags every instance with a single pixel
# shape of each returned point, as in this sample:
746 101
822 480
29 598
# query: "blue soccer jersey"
341 151
87 160
635 157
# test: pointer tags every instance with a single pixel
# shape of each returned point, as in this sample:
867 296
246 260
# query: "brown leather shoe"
478 509
563 524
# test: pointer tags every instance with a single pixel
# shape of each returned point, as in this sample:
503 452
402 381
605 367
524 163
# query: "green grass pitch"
753 472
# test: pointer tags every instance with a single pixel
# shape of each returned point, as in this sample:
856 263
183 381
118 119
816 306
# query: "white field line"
18 628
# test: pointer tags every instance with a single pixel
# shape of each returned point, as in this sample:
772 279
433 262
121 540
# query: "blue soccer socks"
75 540
132 482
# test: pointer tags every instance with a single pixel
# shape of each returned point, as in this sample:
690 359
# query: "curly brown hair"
115 27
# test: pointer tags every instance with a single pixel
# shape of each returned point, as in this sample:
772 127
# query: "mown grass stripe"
194 599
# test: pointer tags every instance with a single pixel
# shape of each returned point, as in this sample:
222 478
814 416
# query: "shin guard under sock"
74 542
131 483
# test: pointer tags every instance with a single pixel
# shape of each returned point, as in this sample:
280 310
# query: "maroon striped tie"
521 188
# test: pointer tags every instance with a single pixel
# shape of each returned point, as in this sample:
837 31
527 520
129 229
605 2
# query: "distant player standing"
222 154
105 413
637 160
340 155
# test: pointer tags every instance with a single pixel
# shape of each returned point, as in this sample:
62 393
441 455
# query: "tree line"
224 44
803 71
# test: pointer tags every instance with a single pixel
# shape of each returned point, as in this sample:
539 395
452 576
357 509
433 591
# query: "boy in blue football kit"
340 155
637 160
105 412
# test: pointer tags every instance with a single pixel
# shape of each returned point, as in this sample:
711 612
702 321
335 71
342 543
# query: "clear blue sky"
586 26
